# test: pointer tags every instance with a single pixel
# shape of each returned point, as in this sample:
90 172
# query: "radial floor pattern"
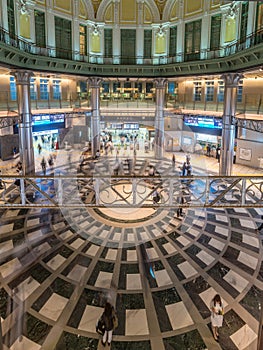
59 266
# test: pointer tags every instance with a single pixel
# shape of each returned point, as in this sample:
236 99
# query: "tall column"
228 131
50 25
139 34
3 14
94 84
160 85
116 33
180 32
25 127
75 30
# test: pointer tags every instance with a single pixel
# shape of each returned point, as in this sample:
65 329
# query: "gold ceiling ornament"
96 5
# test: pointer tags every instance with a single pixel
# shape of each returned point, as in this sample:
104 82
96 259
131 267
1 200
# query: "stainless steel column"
95 114
228 130
26 147
160 85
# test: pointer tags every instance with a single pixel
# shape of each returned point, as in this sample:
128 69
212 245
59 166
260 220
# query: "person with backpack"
109 321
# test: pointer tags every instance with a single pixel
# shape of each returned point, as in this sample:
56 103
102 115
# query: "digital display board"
44 119
133 126
203 122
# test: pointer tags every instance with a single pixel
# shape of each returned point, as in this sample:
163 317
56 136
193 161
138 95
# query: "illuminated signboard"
203 122
45 119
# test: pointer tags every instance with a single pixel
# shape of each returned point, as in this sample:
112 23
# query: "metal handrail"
128 191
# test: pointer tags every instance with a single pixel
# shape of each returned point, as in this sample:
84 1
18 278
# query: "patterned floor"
59 266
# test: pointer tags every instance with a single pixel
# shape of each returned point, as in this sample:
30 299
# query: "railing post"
22 191
60 191
134 187
207 191
97 190
243 192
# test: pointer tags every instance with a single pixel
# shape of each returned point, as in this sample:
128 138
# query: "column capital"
231 79
160 83
22 76
94 82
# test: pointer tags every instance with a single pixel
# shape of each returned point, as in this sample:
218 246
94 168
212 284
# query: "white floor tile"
236 281
90 318
244 338
205 257
248 223
248 260
92 250
77 243
23 343
216 244
169 248
221 230
77 273
5 246
56 261
10 267
111 254
162 278
54 306
104 280
152 254
184 241
26 288
222 218
187 269
178 315
133 281
136 322
132 255
253 241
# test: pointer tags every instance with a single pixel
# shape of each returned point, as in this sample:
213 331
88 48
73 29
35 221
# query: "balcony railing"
61 53
131 191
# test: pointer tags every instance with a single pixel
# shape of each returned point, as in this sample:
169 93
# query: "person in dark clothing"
109 319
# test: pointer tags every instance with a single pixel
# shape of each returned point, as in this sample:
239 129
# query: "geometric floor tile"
248 260
133 281
10 267
132 255
169 248
27 287
111 254
178 315
56 261
247 223
104 280
244 338
77 273
216 244
236 281
54 306
23 343
250 240
187 269
162 278
205 257
89 318
136 322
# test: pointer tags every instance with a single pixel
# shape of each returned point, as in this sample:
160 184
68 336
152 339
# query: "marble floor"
59 266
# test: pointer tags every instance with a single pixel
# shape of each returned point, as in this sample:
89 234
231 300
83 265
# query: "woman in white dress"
217 312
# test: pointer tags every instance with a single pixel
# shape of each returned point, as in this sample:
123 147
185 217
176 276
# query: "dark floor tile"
190 340
70 341
252 302
136 345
